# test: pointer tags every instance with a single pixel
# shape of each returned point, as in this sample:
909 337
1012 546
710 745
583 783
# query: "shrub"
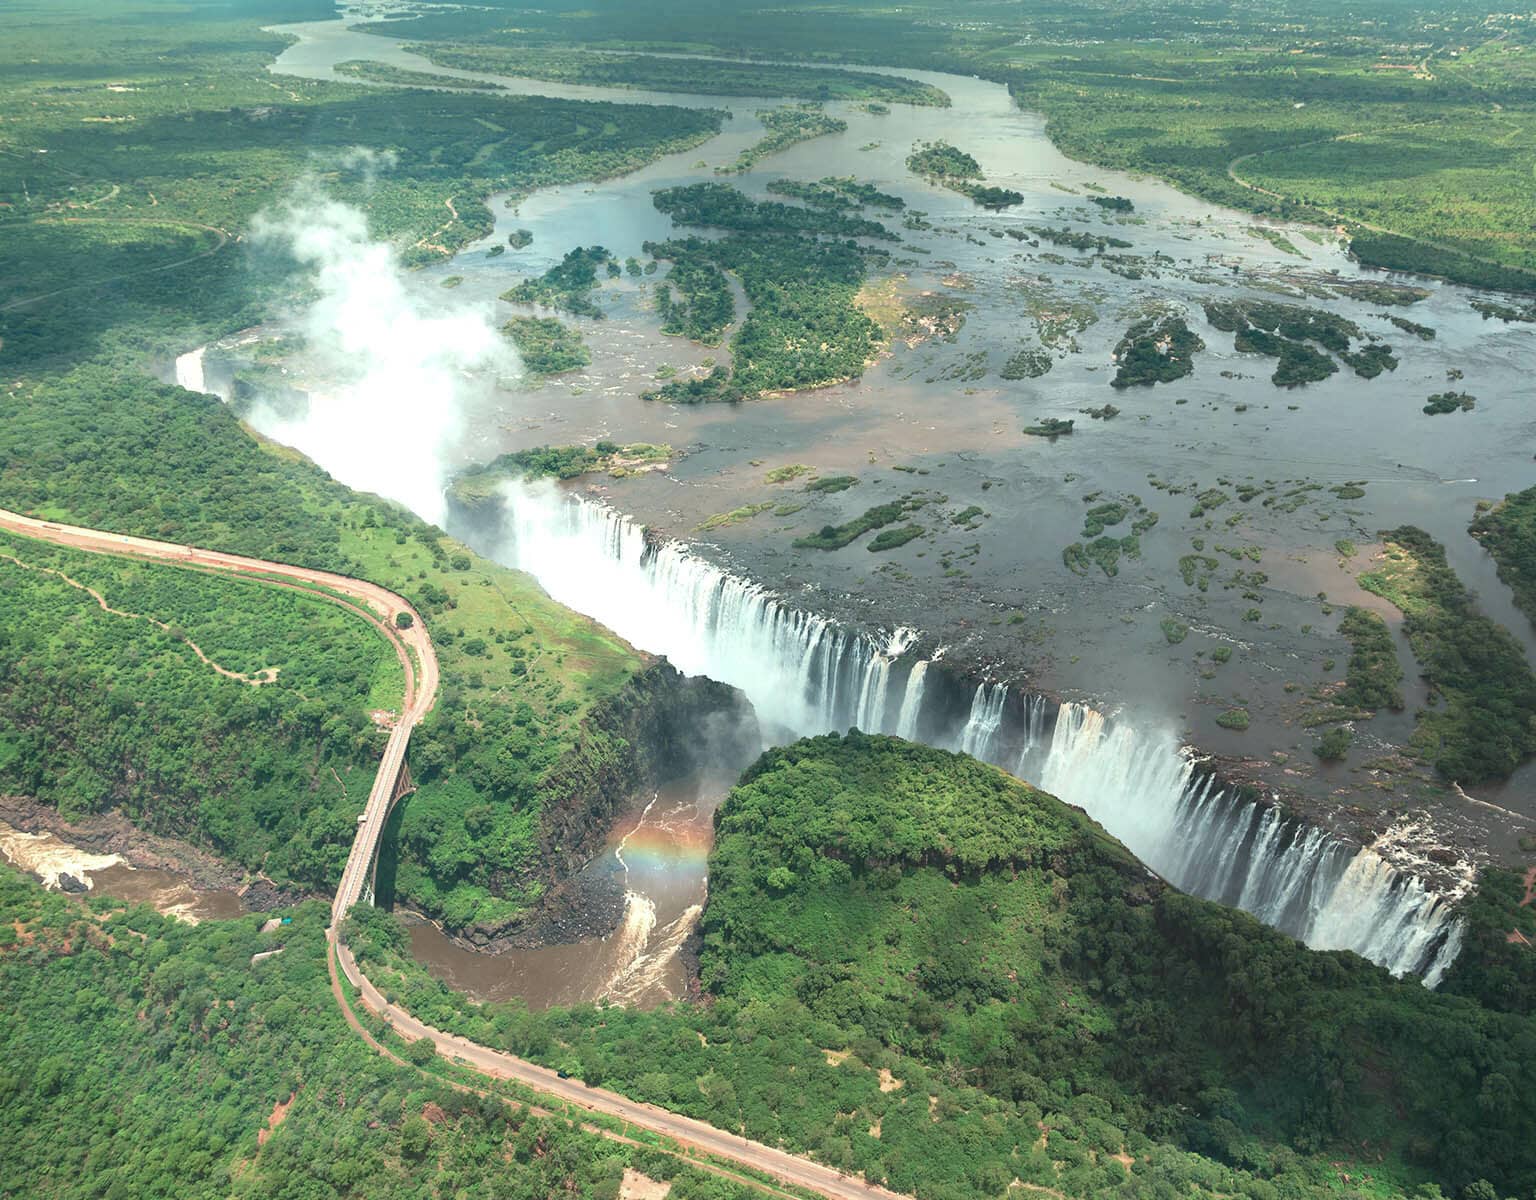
1334 744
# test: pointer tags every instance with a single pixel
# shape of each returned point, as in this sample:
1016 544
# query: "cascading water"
802 672
1196 834
911 701
807 675
189 370
979 737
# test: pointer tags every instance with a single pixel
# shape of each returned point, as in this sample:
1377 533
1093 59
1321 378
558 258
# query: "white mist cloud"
366 161
399 370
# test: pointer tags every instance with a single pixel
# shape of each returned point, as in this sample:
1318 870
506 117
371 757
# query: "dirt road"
780 1164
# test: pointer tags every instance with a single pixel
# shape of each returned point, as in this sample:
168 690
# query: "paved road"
421 677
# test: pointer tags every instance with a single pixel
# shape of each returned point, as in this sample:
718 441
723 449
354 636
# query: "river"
937 415
60 864
660 854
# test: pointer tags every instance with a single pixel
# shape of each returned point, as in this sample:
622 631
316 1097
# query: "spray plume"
400 373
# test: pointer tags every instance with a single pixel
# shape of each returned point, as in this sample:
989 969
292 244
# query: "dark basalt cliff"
661 726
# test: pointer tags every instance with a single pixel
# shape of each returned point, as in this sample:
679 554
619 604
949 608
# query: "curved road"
222 235
414 646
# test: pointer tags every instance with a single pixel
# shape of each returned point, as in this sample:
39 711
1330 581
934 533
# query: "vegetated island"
546 345
801 272
785 127
1284 331
568 284
674 73
1449 402
377 72
1508 532
1156 350
948 166
1483 723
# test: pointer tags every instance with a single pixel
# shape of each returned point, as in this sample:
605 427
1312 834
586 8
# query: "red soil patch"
278 1116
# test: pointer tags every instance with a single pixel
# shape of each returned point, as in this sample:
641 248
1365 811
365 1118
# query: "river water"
919 409
998 594
48 857
661 854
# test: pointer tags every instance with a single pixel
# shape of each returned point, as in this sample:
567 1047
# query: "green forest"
150 1059
101 711
919 968
137 194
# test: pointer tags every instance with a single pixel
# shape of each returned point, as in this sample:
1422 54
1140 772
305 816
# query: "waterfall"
806 675
911 701
189 370
1202 838
979 737
803 673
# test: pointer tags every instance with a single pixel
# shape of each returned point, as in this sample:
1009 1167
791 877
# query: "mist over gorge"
397 373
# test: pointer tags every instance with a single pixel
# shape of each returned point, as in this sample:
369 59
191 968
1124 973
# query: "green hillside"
144 1059
519 672
921 969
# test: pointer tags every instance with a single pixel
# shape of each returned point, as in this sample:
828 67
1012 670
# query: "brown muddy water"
49 857
662 854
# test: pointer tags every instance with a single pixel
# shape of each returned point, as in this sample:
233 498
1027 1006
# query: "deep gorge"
805 674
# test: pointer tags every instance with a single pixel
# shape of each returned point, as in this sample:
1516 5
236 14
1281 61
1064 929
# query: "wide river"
937 415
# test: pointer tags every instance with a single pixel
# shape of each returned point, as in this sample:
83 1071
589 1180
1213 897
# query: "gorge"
806 674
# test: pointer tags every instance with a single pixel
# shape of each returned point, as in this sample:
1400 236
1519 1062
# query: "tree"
415 1136
421 1052
404 620
1334 744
